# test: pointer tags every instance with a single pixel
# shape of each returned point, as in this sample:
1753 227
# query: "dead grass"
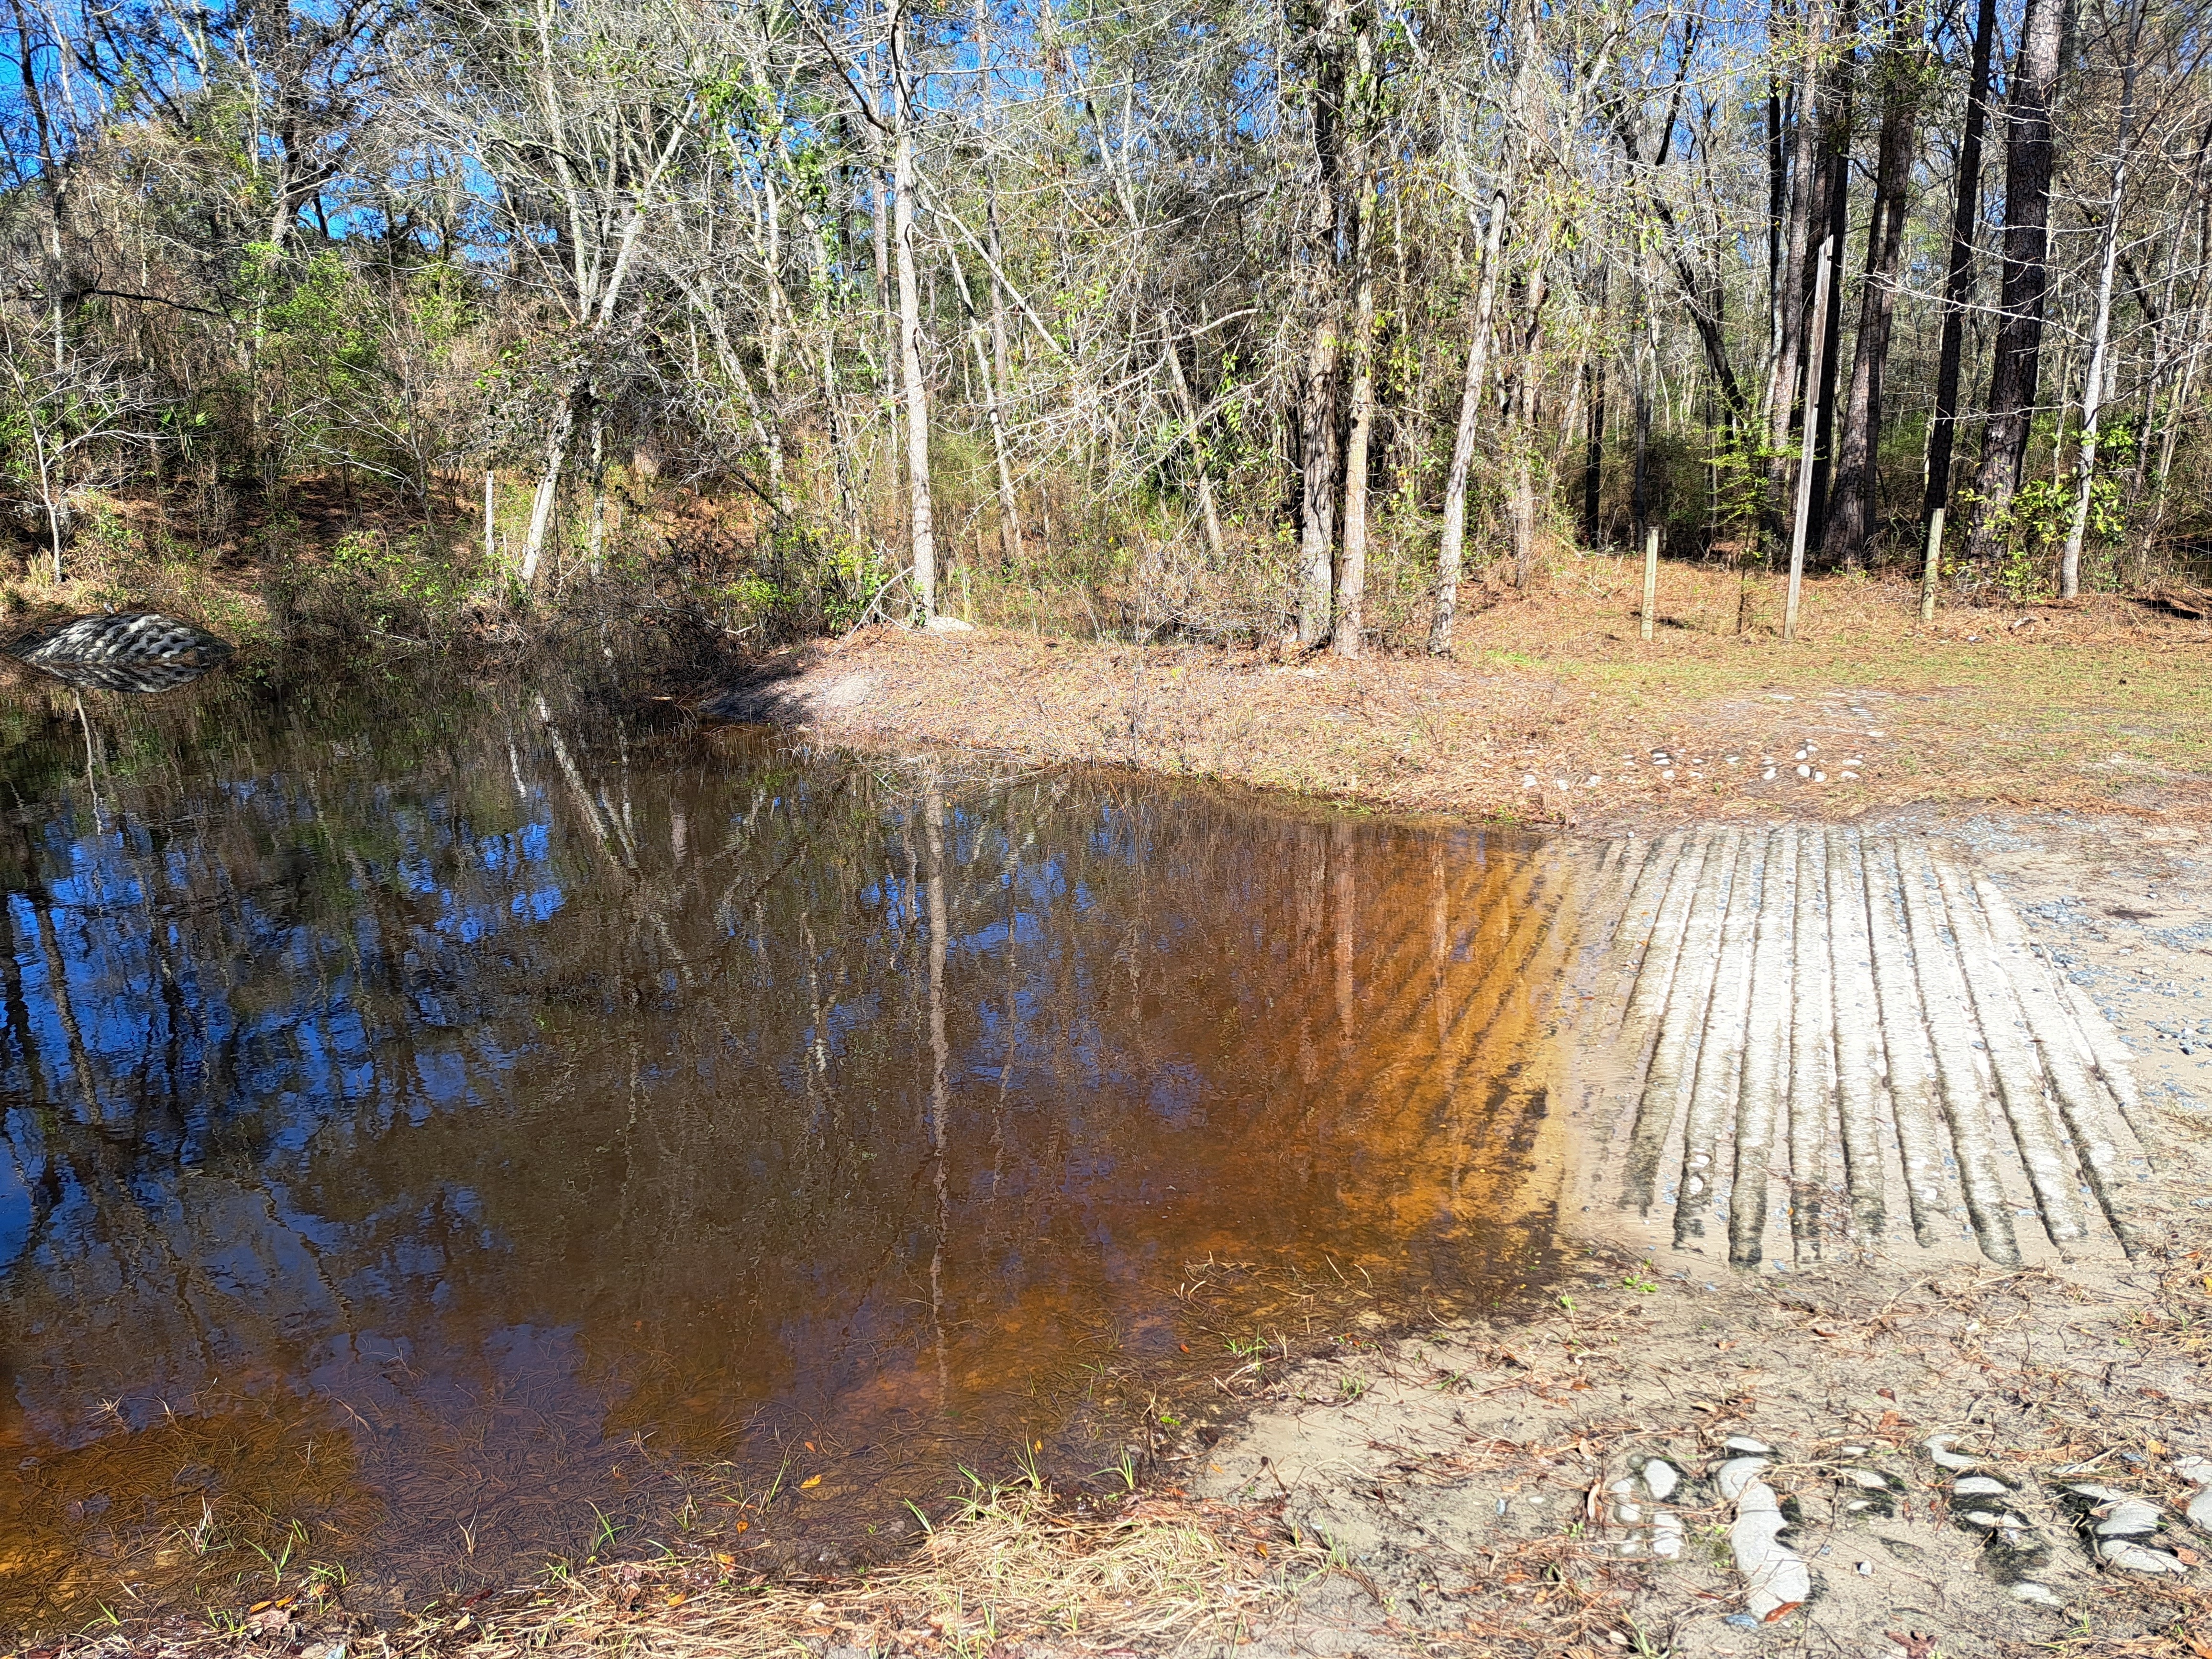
2102 707
1011 1568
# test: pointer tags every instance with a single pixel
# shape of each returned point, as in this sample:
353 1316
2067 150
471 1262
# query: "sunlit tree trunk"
922 536
1450 547
1352 579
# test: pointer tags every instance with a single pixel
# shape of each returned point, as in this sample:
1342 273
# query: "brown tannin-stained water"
450 1129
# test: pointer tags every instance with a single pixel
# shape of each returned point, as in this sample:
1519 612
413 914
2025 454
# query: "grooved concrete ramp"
1817 1041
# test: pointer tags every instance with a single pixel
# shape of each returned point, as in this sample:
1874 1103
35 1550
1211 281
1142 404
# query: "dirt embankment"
1553 712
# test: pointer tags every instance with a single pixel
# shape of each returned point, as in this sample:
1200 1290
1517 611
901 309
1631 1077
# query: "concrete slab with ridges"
1855 1020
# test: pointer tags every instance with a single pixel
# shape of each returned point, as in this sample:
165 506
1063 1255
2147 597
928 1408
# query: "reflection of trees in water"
498 1071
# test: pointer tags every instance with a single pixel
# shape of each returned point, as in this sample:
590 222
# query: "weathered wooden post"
1650 578
1929 576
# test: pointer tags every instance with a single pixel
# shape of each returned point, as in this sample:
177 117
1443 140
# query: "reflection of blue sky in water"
500 1074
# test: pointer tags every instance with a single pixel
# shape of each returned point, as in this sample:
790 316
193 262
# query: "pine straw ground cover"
1011 1571
1553 709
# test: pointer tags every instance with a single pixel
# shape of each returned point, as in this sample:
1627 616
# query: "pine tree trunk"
1854 501
1317 435
1959 277
2026 273
1593 455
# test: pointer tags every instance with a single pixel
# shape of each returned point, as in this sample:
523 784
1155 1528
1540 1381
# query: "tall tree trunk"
1317 435
1528 355
1835 176
1352 580
1777 205
1782 383
887 312
2092 384
2026 272
1451 548
922 537
1640 481
1854 501
1594 451
1958 277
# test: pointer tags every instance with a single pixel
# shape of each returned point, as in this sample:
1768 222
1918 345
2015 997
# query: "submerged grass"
1011 1565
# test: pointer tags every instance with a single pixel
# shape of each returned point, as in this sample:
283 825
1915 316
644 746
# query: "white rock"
2135 1558
1774 1576
2200 1511
1736 1475
2102 1494
948 625
1804 771
1666 1535
1622 1486
1744 1442
2042 1594
2198 1471
1939 1448
2129 1518
1767 775
1979 1518
1871 1479
1660 1478
1628 1514
1978 1485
